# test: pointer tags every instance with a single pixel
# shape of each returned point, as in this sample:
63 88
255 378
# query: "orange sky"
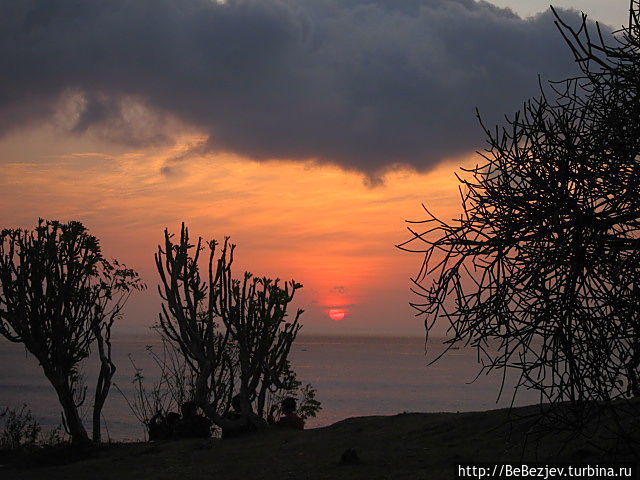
319 225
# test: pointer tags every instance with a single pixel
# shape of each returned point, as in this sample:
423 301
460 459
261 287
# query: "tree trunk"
72 420
74 423
71 416
107 369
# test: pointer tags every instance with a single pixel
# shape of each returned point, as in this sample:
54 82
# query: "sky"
306 130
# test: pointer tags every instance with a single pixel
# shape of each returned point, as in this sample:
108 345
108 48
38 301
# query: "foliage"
21 430
175 385
308 405
305 395
541 273
60 297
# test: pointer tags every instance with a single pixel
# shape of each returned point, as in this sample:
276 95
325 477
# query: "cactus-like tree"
59 297
235 334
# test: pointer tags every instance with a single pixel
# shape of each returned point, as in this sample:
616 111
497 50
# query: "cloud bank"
366 84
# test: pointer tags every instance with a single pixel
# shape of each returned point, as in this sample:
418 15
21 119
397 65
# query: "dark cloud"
363 83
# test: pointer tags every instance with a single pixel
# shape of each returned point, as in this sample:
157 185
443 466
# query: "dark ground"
405 446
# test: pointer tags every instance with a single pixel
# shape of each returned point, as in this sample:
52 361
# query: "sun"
336 314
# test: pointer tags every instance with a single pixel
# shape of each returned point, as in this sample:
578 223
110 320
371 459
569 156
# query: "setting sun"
336 314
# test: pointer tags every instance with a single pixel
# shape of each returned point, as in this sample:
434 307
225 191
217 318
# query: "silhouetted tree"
541 271
188 319
60 297
235 334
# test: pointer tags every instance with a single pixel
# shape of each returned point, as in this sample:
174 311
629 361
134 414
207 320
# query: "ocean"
353 375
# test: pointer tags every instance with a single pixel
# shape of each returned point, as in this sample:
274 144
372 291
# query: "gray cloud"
362 83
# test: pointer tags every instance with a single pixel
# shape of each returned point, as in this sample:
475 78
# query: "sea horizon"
354 375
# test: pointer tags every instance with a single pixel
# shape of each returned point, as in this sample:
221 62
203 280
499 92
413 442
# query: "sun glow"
290 220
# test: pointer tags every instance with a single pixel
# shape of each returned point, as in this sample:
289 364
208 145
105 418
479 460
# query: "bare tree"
235 334
254 312
541 271
60 297
188 319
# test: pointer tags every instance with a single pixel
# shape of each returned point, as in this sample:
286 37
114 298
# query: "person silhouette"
172 419
288 416
157 427
234 423
192 425
163 427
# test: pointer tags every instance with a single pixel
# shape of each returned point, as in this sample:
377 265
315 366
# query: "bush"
19 430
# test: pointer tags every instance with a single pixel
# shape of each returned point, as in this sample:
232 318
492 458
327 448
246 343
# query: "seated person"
234 423
163 427
288 416
192 425
172 420
157 428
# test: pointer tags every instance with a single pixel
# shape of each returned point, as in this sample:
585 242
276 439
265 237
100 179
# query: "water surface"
353 375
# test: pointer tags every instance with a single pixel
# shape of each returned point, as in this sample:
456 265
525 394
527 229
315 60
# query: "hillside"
410 446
